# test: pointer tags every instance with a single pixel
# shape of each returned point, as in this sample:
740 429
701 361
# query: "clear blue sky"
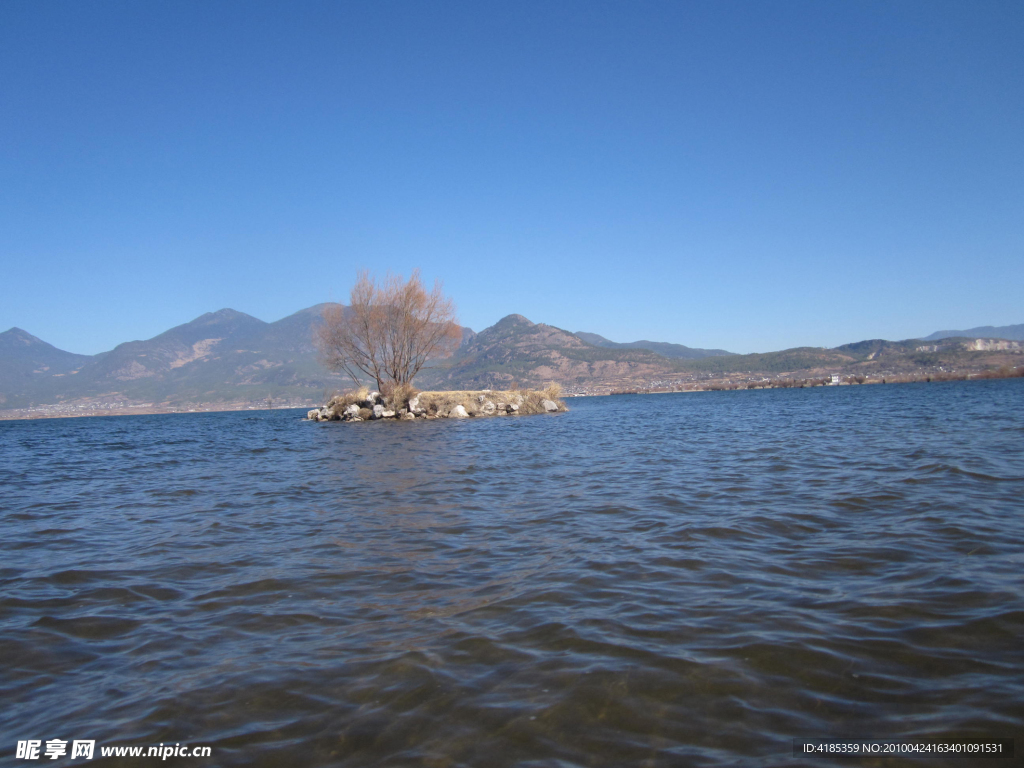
744 175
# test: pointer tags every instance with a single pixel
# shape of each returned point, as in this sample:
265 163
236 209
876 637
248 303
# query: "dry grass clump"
489 402
443 403
345 399
397 396
533 401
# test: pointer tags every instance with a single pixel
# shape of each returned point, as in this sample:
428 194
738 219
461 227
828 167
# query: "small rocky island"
407 404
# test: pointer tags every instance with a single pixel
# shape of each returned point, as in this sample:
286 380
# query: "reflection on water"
683 579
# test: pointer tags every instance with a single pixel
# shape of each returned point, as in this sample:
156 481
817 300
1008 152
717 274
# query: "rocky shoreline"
365 405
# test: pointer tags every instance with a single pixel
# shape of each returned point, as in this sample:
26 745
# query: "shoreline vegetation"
1004 372
403 402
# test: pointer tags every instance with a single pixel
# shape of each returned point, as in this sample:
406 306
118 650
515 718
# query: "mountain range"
231 357
677 351
1012 332
219 356
515 350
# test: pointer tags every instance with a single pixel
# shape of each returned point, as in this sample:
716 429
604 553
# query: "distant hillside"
774 363
1013 332
869 357
675 351
28 363
220 356
517 350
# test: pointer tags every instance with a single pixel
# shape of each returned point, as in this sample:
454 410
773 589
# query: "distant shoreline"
828 381
29 414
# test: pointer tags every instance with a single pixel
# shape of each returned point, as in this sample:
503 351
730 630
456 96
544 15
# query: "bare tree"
389 330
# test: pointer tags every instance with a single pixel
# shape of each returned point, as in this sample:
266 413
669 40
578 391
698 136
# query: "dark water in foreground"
667 580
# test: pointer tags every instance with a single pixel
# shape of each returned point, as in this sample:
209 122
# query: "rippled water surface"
690 579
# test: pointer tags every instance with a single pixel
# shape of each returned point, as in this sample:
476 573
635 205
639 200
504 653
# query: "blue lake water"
691 579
